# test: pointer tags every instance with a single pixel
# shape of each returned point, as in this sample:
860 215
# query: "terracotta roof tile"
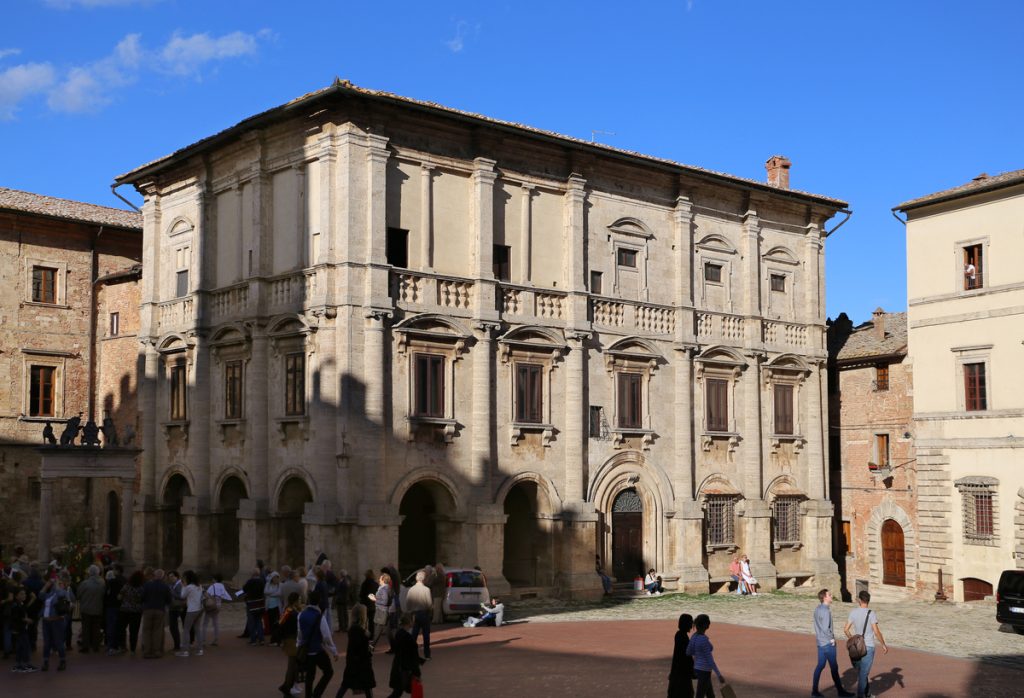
979 184
862 341
26 202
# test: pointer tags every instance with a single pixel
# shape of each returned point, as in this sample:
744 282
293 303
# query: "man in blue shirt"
826 639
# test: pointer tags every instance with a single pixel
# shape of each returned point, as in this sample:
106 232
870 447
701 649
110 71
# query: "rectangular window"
179 397
630 400
115 324
882 450
596 429
529 395
881 377
233 390
429 386
786 519
595 282
979 512
717 395
983 523
974 387
713 272
502 262
847 540
44 285
295 384
183 258
626 258
719 521
41 402
784 409
181 283
778 282
397 248
973 272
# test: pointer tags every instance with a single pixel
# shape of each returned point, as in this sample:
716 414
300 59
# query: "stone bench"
717 583
798 578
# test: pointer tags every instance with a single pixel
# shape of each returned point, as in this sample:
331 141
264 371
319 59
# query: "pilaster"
377 156
756 517
526 226
751 428
575 436
427 215
574 250
258 421
482 221
195 532
373 460
688 525
484 429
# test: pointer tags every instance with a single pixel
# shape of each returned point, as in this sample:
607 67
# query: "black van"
1010 599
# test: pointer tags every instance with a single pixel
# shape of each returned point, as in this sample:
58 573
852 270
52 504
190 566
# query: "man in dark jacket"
156 597
406 663
90 604
254 605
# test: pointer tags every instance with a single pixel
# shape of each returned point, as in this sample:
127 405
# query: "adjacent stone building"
68 346
965 290
403 333
874 483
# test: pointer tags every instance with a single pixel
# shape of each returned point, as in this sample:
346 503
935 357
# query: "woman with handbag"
192 594
382 605
215 595
405 668
57 599
287 632
358 657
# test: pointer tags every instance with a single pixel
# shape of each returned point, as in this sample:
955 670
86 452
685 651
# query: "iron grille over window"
786 519
979 505
720 515
881 377
295 384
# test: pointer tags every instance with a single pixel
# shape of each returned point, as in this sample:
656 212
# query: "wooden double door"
627 545
894 569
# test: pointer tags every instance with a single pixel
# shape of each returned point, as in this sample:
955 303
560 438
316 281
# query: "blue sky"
875 102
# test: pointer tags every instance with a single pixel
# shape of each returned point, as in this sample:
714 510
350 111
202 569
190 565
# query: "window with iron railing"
786 520
720 519
980 511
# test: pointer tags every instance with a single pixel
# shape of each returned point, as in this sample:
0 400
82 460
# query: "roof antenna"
594 132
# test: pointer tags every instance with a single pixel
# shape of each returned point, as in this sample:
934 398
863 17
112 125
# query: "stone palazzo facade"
397 332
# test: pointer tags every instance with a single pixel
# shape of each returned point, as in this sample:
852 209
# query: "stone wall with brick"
58 335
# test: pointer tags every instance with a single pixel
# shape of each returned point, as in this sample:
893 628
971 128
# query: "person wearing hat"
272 593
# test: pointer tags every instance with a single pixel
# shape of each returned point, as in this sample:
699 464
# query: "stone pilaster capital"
486 330
378 316
577 337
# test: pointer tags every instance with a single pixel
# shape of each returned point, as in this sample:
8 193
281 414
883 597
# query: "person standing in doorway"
865 621
826 641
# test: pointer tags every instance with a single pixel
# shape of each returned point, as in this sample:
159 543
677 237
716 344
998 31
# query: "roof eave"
952 196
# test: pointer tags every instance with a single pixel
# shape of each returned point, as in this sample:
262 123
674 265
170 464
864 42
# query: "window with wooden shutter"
630 400
233 390
529 396
882 450
44 285
41 402
784 409
179 396
881 377
973 272
717 395
974 387
429 386
295 384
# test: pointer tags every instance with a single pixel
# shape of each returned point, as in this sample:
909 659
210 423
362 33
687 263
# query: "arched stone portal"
232 491
175 491
627 535
427 533
290 533
528 540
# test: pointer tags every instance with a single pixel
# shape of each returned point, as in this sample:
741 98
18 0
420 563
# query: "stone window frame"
794 374
292 338
176 350
970 488
722 367
959 247
233 348
56 360
452 345
630 234
716 249
975 354
629 356
795 503
546 350
727 502
181 247
780 261
60 281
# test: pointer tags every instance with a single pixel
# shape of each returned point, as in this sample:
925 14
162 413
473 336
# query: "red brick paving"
607 658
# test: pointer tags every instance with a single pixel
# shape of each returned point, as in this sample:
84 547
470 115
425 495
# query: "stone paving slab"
544 656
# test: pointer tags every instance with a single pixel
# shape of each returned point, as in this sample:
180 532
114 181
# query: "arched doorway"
291 534
976 589
527 537
175 492
231 493
894 570
427 533
113 518
627 535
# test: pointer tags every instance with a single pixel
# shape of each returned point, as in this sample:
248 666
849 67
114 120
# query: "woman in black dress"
680 676
407 659
358 657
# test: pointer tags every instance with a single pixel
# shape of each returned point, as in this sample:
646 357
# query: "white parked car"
465 590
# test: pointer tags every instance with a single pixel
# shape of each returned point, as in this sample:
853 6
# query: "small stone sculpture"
91 434
48 436
70 433
109 432
129 435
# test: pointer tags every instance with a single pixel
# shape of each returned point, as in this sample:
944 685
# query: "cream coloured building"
398 332
965 289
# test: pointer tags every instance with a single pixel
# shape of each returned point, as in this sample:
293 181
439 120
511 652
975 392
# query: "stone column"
750 249
376 233
817 536
483 408
253 534
199 418
45 518
427 215
127 527
195 534
686 547
575 434
526 228
486 535
147 405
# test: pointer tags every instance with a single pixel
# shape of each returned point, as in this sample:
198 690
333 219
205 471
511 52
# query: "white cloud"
21 81
463 31
5 52
185 55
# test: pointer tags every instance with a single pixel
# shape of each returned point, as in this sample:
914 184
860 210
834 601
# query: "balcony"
630 315
422 291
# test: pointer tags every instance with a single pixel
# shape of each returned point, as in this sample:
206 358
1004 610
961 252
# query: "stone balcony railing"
785 333
647 318
522 302
175 314
229 303
719 326
425 291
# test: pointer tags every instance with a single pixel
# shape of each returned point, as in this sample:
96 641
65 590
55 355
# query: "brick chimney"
778 171
878 321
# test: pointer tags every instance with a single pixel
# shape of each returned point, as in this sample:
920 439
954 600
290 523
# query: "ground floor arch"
894 570
172 523
892 545
226 525
290 534
428 532
627 527
528 555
